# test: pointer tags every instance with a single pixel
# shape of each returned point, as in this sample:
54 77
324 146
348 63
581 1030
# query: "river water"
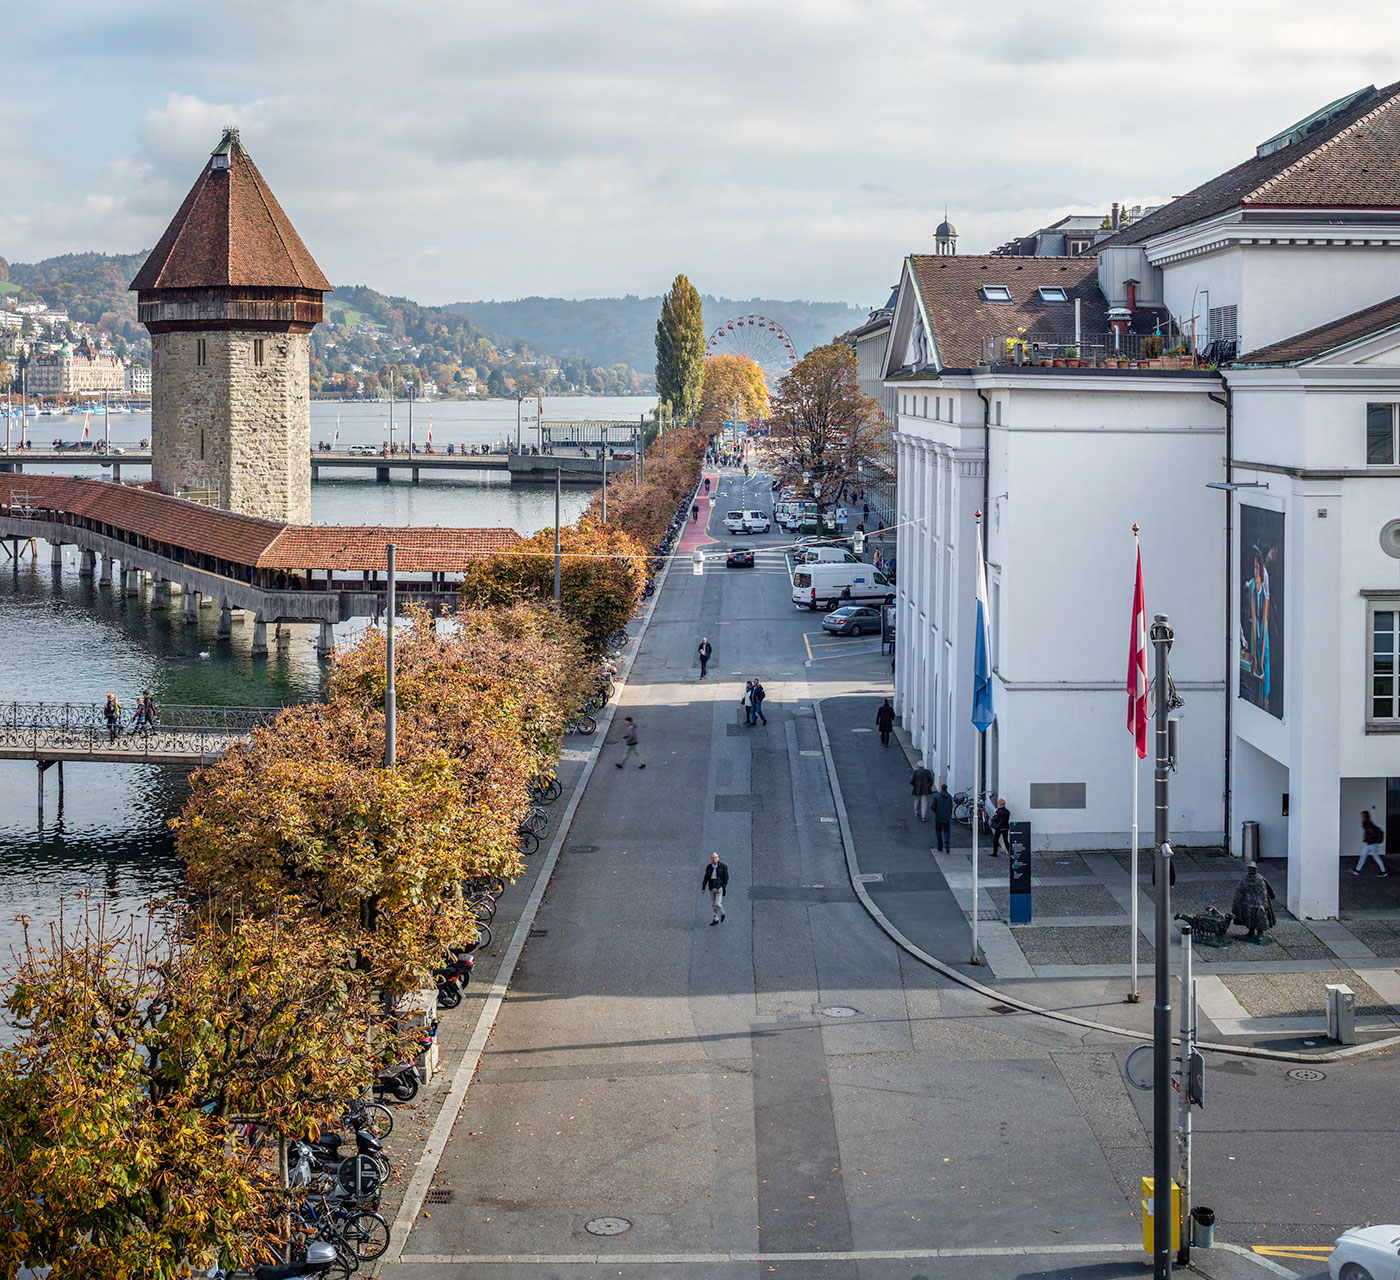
66 639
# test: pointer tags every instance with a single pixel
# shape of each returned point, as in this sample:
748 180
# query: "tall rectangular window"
1380 435
201 351
257 351
1385 663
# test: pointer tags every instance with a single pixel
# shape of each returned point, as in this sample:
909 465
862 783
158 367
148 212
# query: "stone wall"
231 426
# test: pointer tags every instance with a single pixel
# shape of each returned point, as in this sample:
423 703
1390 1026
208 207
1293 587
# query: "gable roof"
962 320
1351 159
1328 337
230 231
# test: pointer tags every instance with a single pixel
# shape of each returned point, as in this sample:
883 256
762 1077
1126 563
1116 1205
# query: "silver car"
1366 1253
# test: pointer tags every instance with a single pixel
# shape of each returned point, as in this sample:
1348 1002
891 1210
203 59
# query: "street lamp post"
603 431
390 710
558 489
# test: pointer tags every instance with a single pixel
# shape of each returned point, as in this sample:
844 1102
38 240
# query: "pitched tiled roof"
1328 337
247 540
951 287
1351 162
352 549
230 231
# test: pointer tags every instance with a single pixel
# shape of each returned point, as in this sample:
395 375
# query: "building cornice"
1239 227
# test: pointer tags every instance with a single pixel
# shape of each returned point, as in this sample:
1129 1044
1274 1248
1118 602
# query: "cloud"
796 147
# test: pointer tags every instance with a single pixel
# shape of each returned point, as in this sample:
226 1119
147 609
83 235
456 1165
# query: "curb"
1268 1264
1016 1002
465 1071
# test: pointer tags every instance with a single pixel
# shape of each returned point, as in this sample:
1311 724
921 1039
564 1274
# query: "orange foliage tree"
731 380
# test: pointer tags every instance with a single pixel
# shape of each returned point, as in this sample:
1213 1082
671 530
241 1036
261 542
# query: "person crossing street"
714 882
629 737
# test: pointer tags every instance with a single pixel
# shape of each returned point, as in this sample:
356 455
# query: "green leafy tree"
680 347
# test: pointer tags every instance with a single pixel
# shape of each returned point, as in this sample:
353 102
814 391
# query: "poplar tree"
680 348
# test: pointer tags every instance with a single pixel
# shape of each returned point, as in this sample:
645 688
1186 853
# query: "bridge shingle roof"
248 540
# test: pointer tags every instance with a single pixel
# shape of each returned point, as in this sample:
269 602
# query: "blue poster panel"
1261 608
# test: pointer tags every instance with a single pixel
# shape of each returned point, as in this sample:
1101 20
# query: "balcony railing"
1091 351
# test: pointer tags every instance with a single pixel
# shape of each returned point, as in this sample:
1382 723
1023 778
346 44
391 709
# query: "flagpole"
976 828
983 714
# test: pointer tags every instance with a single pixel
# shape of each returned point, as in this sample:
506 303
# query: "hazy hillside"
608 331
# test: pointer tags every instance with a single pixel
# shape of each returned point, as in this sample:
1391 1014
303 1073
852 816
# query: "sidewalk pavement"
1073 957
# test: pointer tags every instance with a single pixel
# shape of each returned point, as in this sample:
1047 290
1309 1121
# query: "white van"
827 555
829 586
747 521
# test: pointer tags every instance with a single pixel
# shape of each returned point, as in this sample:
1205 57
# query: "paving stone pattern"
1283 995
1063 900
1072 945
1382 936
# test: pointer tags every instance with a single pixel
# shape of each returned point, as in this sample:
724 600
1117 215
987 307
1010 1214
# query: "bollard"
1341 1013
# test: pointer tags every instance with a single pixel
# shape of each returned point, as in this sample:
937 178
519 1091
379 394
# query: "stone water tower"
230 295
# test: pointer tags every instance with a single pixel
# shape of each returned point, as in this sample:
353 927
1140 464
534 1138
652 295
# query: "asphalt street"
787 1093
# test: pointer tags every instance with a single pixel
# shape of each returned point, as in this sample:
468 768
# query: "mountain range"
607 331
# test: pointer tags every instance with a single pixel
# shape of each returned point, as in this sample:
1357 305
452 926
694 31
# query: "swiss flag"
1137 667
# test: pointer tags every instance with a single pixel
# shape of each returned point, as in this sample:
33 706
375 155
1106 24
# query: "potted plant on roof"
1072 357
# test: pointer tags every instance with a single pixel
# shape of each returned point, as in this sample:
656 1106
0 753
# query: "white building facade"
1282 582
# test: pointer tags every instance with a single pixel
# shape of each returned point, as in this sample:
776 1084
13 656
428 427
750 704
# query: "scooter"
400 1083
452 979
327 1150
320 1258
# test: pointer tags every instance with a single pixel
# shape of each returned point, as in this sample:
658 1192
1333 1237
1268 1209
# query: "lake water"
63 638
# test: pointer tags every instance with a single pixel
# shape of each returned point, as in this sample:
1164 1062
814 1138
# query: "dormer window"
1053 293
996 293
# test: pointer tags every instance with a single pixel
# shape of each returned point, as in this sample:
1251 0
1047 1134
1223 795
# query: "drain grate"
1001 1008
839 1011
607 1226
1309 1074
440 1195
583 848
539 933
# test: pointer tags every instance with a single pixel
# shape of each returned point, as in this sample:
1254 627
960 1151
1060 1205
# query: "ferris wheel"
764 341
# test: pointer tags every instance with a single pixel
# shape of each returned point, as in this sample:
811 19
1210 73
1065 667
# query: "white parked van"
827 555
829 586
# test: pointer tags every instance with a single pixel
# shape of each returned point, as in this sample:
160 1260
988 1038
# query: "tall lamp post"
390 710
1162 1215
558 489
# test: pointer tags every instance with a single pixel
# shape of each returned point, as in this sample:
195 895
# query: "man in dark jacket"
705 651
943 819
715 882
1001 828
758 696
884 721
921 783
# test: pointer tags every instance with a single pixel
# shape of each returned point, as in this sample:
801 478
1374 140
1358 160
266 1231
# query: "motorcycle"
319 1258
452 979
400 1082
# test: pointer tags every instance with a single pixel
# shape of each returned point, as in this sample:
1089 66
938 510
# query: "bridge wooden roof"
230 232
248 540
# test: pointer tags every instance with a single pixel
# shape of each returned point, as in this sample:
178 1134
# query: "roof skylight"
1053 293
996 293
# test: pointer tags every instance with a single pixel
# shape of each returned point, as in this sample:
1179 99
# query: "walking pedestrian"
1001 828
694 512
884 721
715 882
706 651
1372 837
943 819
112 714
148 705
747 702
759 694
629 737
921 783
865 510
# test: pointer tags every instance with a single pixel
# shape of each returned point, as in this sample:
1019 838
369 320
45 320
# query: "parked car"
739 558
852 620
747 521
1366 1253
827 555
829 586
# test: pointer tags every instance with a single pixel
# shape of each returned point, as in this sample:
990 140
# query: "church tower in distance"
230 296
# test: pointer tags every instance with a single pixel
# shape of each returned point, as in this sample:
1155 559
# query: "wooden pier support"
225 622
106 571
131 581
192 606
325 640
259 637
284 636
56 555
87 563
160 595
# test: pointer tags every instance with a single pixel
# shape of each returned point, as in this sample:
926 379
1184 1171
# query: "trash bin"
1249 842
1341 1013
1203 1227
1149 1215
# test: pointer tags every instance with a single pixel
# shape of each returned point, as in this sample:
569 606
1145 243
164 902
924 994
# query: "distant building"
138 380
1074 234
870 342
70 371
230 295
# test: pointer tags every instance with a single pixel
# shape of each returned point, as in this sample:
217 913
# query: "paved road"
788 1093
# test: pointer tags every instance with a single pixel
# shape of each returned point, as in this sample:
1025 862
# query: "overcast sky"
765 147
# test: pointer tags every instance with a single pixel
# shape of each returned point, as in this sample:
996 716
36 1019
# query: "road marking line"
808 643
1304 1251
710 1259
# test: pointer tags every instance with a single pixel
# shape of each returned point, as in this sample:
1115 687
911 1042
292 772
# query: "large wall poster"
1261 608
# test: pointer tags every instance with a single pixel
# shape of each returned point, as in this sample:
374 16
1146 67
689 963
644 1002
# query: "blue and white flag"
983 712
335 440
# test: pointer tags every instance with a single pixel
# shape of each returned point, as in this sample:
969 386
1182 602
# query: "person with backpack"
1372 841
112 714
757 698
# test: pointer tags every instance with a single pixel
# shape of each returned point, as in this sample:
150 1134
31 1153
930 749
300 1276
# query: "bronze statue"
1254 904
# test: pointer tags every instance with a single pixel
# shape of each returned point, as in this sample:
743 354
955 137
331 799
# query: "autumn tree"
730 381
680 347
602 572
823 428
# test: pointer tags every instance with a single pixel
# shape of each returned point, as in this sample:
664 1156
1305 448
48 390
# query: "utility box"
1149 1235
1249 842
1341 1013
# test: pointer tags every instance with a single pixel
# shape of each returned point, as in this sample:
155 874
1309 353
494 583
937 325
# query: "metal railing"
1091 351
82 727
